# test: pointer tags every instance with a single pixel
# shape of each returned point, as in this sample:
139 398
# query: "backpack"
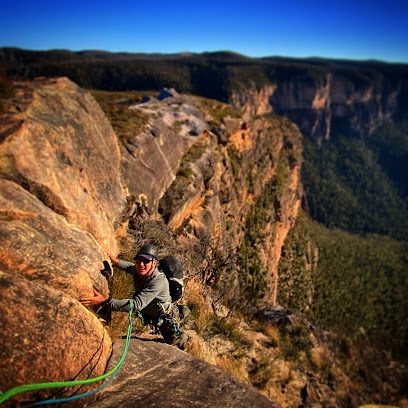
172 267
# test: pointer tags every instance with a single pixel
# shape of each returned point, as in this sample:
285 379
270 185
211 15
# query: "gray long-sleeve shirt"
152 295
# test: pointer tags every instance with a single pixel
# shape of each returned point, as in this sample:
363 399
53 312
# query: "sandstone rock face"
288 210
39 245
151 159
47 336
255 101
61 197
226 182
60 147
313 103
156 374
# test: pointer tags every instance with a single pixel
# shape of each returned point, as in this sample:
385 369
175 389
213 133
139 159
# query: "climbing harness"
154 323
34 387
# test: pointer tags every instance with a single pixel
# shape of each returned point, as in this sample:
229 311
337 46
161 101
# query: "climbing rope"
39 386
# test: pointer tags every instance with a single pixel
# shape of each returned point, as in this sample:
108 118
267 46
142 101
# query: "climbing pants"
170 329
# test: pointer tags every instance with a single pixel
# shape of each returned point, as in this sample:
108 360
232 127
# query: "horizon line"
187 53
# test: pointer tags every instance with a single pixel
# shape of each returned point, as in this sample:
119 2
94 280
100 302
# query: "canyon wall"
69 187
314 101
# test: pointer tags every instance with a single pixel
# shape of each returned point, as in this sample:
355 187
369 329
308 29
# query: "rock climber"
151 298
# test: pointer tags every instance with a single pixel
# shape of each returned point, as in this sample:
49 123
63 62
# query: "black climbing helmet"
148 249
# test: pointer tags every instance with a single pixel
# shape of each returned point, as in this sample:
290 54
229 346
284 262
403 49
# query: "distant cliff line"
311 92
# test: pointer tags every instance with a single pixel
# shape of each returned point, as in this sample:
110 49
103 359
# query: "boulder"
167 93
39 244
278 316
59 146
156 374
47 336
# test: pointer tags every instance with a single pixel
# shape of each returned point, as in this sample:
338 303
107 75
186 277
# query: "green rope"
33 387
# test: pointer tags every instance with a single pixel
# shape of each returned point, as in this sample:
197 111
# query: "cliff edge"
69 189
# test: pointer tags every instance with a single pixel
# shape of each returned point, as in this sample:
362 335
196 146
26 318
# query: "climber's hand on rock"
95 300
113 259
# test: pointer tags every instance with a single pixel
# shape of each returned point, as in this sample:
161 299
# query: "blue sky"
334 29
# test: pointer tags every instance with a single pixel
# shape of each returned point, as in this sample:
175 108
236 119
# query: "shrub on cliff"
296 268
125 122
264 212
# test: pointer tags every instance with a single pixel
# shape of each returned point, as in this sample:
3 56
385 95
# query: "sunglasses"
143 260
